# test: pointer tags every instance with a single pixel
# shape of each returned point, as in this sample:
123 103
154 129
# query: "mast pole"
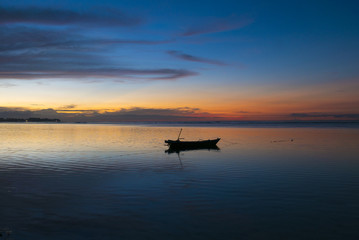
179 134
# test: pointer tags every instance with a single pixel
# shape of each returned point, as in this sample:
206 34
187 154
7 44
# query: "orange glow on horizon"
318 102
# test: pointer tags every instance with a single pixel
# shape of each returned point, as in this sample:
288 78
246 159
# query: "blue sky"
111 56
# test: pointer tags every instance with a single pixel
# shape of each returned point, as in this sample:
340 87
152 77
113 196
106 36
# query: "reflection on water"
73 181
176 150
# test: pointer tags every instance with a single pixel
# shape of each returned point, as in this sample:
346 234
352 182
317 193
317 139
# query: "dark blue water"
68 181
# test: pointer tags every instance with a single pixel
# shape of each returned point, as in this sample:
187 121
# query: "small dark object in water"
178 144
192 144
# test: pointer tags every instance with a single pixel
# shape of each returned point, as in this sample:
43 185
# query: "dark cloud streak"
191 58
30 53
218 25
50 16
27 38
70 106
149 74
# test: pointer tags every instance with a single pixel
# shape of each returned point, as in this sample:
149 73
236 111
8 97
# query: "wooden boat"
178 144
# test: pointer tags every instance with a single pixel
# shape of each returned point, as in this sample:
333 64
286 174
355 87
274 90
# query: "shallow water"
93 181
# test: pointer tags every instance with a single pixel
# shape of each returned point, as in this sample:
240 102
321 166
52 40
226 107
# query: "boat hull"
177 144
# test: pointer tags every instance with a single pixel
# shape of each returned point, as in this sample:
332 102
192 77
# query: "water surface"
98 181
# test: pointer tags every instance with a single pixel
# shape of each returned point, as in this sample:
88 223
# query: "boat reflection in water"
178 150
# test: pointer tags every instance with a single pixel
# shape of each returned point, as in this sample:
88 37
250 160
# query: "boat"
192 144
199 144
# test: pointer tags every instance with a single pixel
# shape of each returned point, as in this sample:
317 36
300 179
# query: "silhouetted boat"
200 144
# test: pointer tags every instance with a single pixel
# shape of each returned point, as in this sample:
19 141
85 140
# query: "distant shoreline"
21 120
246 124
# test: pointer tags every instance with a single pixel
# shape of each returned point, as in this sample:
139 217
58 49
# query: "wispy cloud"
51 16
218 25
30 53
70 106
30 50
7 85
188 57
113 73
247 112
31 38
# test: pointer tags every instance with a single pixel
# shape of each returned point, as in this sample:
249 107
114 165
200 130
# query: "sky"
110 61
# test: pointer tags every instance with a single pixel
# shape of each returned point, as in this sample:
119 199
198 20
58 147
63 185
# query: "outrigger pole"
179 135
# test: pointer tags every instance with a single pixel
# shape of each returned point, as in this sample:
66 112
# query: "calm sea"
108 181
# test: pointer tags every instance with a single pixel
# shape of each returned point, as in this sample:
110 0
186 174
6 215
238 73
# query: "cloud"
31 53
30 39
124 114
50 16
152 114
70 106
218 25
14 113
127 41
326 115
192 58
113 73
7 85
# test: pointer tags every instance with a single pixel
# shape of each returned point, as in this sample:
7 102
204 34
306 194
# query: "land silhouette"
29 120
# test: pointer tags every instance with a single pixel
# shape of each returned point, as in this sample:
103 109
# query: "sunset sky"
91 60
